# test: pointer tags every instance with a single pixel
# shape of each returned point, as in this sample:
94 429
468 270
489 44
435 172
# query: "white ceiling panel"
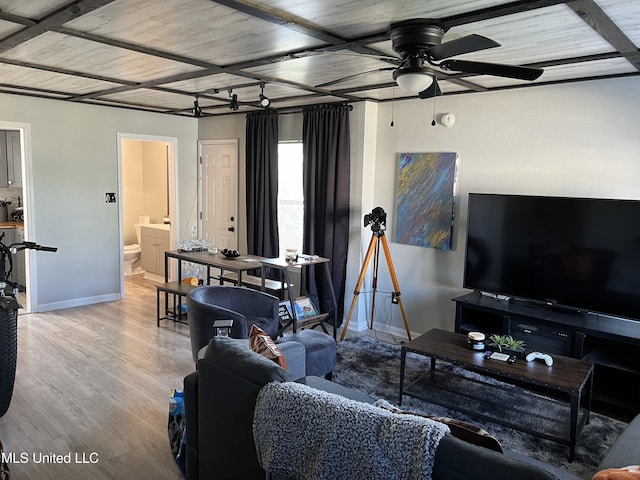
62 51
386 93
531 37
33 9
366 77
317 69
68 84
224 81
221 81
7 28
564 72
149 97
199 29
355 19
626 16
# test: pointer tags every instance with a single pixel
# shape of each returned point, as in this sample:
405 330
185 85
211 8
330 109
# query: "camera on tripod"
377 219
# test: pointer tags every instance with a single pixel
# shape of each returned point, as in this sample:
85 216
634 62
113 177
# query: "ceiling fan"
419 42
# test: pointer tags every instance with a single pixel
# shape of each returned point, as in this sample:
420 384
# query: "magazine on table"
305 308
284 311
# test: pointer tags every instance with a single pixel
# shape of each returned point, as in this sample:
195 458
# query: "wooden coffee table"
566 378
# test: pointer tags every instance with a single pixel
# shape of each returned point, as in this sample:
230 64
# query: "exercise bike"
9 318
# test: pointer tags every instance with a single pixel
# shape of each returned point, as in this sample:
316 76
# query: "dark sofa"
220 398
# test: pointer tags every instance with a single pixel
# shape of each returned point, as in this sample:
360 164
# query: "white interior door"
219 192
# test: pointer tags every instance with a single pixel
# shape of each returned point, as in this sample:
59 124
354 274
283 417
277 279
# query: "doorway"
147 189
19 185
218 200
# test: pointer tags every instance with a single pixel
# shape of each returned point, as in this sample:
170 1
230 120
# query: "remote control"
548 359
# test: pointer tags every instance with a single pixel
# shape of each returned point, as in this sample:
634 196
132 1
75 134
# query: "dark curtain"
262 183
325 136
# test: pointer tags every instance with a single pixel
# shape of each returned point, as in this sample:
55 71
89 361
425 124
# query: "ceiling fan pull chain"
393 104
433 120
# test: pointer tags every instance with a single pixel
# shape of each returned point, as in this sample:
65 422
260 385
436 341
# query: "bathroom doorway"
147 190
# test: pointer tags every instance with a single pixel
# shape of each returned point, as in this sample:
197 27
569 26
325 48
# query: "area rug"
374 367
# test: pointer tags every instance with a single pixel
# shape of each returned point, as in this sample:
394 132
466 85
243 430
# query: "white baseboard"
74 302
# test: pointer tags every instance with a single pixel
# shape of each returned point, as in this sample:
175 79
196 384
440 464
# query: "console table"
567 377
236 266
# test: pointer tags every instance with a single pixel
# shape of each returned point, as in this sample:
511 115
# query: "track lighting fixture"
264 100
233 104
197 111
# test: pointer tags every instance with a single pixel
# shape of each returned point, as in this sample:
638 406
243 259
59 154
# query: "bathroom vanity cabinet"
154 241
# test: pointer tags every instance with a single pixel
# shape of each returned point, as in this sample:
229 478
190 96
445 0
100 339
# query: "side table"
303 261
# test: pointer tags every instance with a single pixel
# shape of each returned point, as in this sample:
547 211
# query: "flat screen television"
577 253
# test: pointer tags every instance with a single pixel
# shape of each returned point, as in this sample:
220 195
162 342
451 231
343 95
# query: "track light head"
264 100
197 111
233 104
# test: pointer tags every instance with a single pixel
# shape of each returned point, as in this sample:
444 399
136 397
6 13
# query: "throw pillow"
260 342
627 473
468 432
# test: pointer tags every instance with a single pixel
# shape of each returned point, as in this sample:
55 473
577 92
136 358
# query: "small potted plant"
507 344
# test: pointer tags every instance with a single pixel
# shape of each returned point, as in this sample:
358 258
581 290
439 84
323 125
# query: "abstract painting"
425 199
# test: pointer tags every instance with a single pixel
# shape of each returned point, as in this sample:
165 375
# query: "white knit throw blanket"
306 434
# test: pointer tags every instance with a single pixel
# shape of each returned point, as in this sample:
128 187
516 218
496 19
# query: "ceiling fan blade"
432 91
496 69
349 77
459 46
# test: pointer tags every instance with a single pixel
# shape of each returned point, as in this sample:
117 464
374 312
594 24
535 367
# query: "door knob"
231 229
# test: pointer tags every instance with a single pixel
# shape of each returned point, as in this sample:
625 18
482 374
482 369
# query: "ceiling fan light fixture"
413 80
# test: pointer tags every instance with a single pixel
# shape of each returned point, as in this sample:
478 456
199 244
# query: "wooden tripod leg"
356 292
394 280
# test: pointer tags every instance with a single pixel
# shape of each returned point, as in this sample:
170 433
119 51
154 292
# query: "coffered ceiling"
159 55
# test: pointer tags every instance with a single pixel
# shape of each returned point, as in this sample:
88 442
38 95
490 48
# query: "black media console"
611 344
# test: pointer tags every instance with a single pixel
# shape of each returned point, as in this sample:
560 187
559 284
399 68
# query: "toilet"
132 256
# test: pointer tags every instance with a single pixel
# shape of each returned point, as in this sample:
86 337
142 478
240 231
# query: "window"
290 195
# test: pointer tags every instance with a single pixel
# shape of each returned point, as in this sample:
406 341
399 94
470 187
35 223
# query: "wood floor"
94 382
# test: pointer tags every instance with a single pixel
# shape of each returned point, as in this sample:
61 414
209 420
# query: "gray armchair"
246 307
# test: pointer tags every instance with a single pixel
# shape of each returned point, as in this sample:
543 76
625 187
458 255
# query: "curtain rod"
291 110
280 111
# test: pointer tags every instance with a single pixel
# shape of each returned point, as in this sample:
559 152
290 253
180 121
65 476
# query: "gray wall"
577 139
74 162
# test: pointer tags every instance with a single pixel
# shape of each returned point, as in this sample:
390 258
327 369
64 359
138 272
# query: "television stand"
611 344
